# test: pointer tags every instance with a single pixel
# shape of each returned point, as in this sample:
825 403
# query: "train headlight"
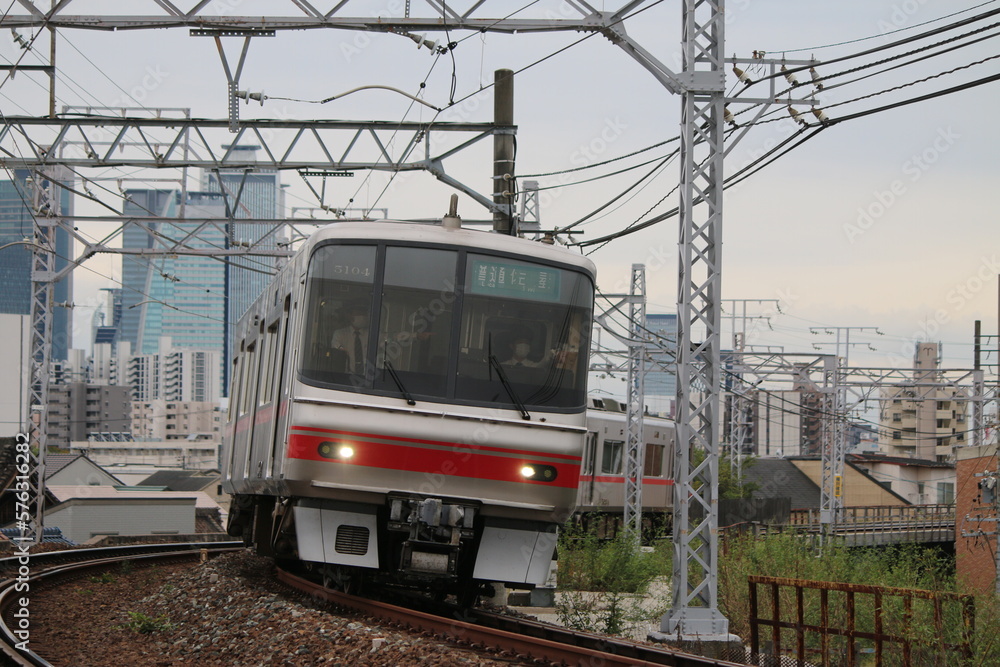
537 472
335 450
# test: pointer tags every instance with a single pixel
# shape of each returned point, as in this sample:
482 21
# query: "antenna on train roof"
452 220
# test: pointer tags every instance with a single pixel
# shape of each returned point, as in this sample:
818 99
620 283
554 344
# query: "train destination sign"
511 279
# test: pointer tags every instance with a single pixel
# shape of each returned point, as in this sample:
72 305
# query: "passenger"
353 338
520 348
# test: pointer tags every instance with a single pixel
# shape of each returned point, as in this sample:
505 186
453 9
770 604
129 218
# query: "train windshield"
440 325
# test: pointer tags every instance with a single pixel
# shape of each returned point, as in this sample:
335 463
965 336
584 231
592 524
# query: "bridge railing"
887 517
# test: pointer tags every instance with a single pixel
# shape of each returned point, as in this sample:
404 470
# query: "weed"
144 625
605 582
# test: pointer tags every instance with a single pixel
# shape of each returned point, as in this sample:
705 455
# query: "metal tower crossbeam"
320 145
301 15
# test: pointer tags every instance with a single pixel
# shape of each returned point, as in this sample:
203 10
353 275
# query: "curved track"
528 640
53 566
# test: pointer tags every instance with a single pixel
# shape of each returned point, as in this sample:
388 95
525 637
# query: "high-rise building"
175 374
247 194
196 300
661 374
17 224
926 417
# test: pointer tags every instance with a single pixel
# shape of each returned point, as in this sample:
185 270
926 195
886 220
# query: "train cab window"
524 334
337 333
611 461
415 323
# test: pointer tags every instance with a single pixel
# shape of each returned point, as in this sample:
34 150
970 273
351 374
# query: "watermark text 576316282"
22 492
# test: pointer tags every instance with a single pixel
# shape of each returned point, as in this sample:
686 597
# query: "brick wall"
975 554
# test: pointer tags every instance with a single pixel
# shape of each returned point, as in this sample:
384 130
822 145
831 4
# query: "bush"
145 625
604 583
904 566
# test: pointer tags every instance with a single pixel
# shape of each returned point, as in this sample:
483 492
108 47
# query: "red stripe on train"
454 445
432 461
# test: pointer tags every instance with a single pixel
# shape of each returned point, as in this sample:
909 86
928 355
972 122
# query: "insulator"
789 76
820 116
816 78
728 116
796 116
741 75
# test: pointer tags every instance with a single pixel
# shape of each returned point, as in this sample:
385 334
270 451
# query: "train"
408 405
601 494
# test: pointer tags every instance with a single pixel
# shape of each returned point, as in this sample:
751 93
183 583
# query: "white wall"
82 519
15 331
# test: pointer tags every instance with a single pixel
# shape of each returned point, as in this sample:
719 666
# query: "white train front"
408 402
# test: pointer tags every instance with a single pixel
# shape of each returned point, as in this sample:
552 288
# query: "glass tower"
17 224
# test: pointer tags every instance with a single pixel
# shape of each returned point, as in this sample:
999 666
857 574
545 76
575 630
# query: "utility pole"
503 152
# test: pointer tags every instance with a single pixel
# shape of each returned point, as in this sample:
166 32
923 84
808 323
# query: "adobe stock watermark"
913 169
21 626
901 15
958 297
585 155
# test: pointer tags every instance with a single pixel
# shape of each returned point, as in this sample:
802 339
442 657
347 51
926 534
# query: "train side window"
611 461
249 378
653 465
264 374
234 391
588 454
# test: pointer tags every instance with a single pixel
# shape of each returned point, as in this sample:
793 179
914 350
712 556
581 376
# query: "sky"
887 221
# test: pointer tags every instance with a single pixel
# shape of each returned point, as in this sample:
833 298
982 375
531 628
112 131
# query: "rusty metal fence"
827 623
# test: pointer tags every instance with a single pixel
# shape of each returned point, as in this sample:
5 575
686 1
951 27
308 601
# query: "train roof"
398 230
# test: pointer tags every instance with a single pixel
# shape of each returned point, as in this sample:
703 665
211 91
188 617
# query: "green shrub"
144 625
604 582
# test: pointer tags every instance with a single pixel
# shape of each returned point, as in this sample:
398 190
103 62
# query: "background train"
408 403
601 496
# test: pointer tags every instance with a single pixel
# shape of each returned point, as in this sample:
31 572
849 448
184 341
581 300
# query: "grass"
601 583
145 624
904 566
604 582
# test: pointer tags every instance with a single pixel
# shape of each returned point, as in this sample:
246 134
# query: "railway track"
48 568
521 639
528 640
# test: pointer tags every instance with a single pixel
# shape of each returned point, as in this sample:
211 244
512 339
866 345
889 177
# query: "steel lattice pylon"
635 448
46 209
695 583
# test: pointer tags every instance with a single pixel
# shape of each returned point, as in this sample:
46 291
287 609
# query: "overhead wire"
884 34
654 335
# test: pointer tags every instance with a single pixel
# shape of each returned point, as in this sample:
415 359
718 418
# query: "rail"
530 640
50 566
